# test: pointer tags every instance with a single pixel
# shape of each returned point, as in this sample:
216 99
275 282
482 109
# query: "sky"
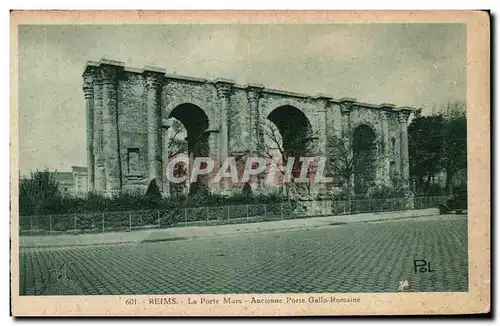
417 65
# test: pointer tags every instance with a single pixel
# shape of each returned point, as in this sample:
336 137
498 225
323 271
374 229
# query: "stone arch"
290 130
364 149
196 123
368 124
205 107
294 127
272 104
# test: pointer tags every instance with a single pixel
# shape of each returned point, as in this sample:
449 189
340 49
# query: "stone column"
100 172
88 89
346 105
224 95
386 150
345 111
253 96
213 152
321 109
321 150
109 74
404 156
384 117
153 99
255 141
165 160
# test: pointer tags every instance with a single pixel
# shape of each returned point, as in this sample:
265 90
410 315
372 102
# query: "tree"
438 142
280 148
454 141
425 139
177 144
177 134
39 194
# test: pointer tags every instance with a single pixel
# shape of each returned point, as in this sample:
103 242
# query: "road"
356 257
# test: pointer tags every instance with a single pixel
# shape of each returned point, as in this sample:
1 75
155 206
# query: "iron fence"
212 215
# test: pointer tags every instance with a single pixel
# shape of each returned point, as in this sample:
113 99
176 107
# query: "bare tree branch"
293 145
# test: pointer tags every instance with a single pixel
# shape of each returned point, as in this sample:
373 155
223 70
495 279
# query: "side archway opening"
287 135
187 136
364 154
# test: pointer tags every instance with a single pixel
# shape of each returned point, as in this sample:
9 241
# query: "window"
133 161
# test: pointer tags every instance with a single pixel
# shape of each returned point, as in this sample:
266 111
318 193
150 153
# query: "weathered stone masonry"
127 111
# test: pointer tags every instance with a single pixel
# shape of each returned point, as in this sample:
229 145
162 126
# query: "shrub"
383 191
153 192
247 190
136 201
434 190
39 194
204 199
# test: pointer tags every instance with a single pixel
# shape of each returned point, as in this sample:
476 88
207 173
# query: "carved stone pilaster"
109 76
346 106
384 117
100 172
404 155
153 82
322 104
386 157
253 97
224 89
213 152
88 89
254 93
165 160
403 116
88 83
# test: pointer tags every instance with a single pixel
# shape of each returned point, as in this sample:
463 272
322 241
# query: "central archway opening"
188 137
287 135
365 155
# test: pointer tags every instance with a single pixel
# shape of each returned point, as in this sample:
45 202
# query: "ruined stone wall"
371 118
202 94
271 101
394 145
127 109
132 127
308 106
364 116
239 122
333 121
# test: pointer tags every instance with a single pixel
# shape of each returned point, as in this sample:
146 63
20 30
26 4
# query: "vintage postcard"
245 163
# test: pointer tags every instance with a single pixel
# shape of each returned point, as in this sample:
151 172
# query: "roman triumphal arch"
127 113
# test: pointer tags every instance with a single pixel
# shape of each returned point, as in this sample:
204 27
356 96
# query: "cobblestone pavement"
358 257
